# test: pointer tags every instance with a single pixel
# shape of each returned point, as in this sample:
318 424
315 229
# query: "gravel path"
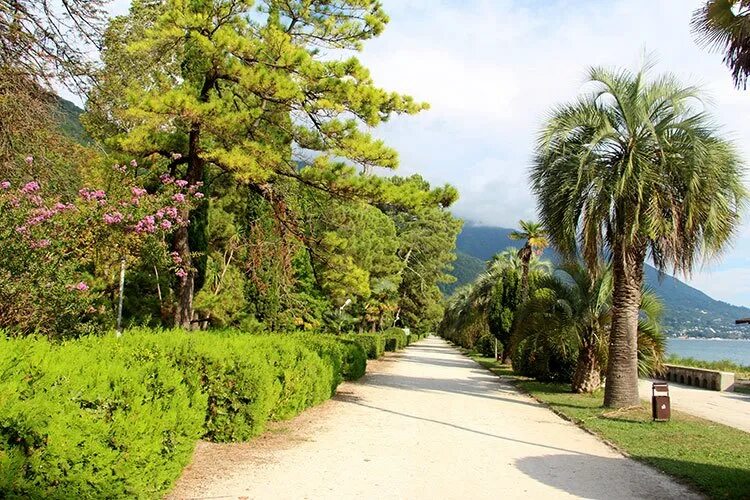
728 408
426 423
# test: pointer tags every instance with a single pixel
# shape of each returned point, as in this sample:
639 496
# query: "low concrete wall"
713 380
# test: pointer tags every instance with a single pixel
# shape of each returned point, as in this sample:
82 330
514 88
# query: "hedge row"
107 418
376 344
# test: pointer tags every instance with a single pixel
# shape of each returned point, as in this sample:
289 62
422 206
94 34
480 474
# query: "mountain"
687 310
69 118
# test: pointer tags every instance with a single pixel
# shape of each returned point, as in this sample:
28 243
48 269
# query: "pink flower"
198 195
179 197
166 179
29 160
172 212
146 225
166 224
113 218
89 195
181 183
40 243
137 192
181 273
22 229
133 163
176 258
30 187
4 185
81 286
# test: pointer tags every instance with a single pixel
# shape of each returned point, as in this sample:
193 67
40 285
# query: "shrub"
372 343
395 339
86 420
101 417
485 346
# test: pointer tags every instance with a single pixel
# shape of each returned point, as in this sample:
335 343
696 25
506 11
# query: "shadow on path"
479 386
459 427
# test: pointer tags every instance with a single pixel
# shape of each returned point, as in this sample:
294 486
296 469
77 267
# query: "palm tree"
572 310
628 170
724 25
536 241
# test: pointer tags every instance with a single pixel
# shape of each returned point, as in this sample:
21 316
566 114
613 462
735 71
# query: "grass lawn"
713 458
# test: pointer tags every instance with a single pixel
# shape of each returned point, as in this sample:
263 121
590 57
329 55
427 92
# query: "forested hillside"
688 311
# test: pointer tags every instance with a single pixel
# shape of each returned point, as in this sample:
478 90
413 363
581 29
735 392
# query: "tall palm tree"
632 169
724 25
572 309
536 241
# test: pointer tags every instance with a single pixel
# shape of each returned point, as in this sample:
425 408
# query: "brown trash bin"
660 407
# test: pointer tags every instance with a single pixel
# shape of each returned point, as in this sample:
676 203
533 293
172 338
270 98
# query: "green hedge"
86 421
372 343
104 418
395 339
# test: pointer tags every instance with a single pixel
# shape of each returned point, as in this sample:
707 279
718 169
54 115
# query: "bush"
110 418
395 339
351 357
372 343
87 420
485 346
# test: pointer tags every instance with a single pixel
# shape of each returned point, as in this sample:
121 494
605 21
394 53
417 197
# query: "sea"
711 349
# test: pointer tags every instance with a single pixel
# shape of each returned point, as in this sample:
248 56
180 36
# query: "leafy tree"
569 317
535 238
427 239
212 87
724 25
506 299
631 169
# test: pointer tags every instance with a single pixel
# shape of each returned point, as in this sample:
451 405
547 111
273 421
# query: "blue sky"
491 69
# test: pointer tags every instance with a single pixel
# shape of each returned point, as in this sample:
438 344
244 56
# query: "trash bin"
660 401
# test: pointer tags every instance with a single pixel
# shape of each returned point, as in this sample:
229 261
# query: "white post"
122 292
495 348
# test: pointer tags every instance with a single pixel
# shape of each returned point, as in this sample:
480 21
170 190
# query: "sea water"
711 349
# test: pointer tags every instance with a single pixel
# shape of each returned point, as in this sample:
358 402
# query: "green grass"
741 371
713 458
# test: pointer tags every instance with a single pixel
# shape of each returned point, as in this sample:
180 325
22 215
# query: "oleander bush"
101 417
372 343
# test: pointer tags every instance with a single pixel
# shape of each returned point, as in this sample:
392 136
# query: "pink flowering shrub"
60 257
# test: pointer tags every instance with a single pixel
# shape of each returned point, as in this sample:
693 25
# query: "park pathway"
427 423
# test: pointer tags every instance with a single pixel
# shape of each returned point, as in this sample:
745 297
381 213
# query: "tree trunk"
525 255
181 244
621 389
587 377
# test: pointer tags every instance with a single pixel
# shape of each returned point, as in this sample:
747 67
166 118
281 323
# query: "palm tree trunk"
621 389
525 255
587 377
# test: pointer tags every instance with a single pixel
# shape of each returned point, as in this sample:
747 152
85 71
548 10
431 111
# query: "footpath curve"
425 423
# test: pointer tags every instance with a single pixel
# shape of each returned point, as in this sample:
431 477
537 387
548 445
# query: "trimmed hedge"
372 343
102 417
86 421
395 339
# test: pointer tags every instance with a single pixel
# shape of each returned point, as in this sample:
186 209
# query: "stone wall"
700 377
